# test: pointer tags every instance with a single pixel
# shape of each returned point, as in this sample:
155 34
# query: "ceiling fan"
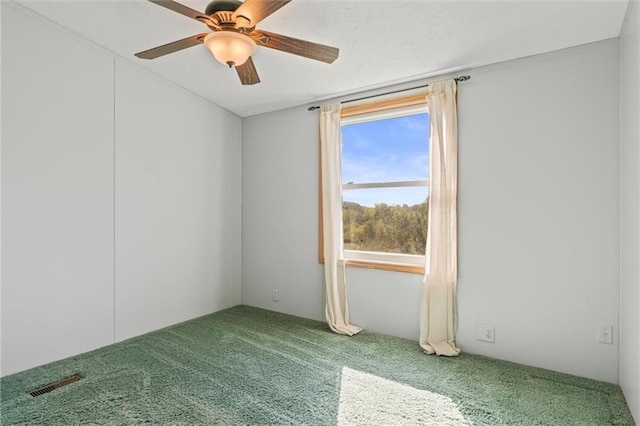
234 37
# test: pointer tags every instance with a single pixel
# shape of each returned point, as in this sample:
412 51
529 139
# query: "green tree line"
385 228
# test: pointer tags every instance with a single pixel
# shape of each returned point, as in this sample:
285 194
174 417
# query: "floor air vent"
52 386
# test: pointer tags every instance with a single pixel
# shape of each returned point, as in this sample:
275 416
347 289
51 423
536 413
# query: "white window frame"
381 260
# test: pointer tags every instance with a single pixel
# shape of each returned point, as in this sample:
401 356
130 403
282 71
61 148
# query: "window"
385 172
385 184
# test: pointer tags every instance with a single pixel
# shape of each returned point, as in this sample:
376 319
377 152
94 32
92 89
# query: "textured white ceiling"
381 42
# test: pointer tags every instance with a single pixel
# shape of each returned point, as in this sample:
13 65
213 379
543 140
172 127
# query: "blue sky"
394 149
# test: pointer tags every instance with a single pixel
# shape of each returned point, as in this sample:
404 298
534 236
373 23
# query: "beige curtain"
438 313
337 307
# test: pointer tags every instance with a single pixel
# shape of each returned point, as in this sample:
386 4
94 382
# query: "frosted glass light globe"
230 48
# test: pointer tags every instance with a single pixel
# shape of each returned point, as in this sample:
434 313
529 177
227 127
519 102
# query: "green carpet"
250 366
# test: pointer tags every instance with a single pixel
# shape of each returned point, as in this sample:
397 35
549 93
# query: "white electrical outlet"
274 295
605 333
485 333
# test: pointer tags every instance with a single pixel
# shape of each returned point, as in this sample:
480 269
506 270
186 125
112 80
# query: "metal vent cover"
53 386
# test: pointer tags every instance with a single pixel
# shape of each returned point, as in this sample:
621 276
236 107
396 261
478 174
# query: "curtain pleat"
337 306
438 317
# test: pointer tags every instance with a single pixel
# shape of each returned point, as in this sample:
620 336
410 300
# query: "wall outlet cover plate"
485 333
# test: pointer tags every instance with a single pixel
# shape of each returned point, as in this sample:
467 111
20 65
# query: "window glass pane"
391 220
389 150
392 196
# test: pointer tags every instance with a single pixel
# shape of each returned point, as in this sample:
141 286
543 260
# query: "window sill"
385 266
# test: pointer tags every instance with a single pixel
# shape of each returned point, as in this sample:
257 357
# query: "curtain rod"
457 79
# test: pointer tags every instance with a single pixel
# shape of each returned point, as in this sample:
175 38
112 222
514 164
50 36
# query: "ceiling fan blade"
319 52
175 46
247 73
255 11
183 10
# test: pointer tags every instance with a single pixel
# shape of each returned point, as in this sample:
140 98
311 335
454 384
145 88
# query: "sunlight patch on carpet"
368 399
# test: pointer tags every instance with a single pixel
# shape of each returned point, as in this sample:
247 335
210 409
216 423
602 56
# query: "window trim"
393 267
386 261
371 111
382 105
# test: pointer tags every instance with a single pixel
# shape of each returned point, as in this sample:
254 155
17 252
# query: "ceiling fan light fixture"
230 48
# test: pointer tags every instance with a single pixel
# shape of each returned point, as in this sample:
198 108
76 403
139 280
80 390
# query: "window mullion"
402 184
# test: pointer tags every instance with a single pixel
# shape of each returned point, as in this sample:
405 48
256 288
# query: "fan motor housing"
222 5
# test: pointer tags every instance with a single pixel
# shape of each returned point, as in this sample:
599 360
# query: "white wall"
539 210
538 220
120 197
57 195
177 195
385 302
280 212
0 194
630 209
